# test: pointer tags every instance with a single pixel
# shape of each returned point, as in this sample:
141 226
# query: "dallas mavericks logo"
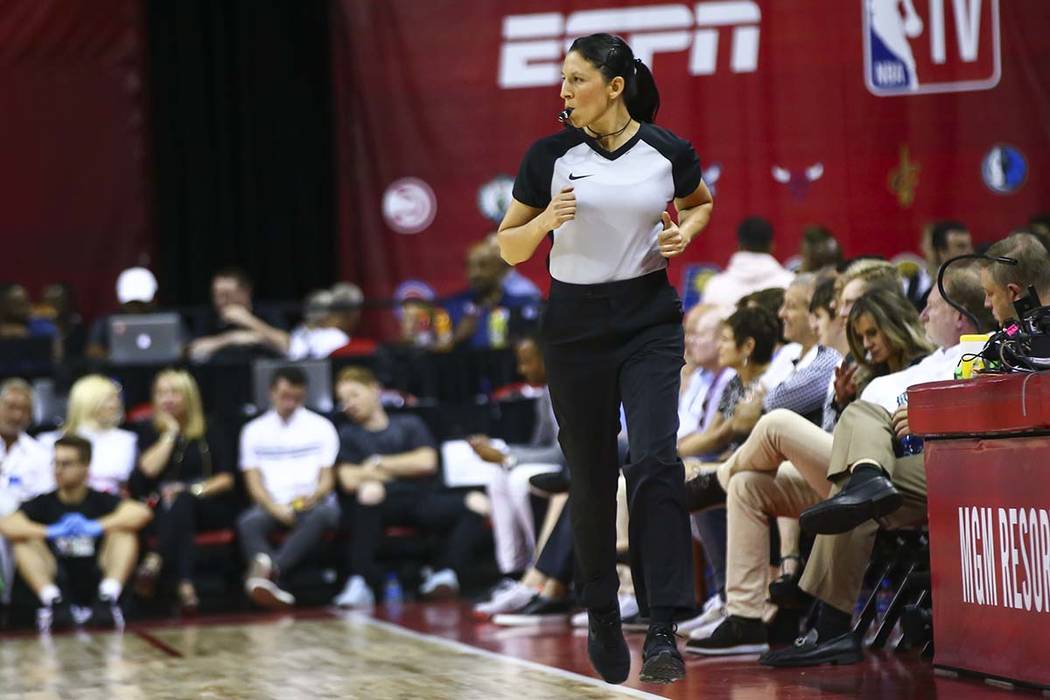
953 47
1004 169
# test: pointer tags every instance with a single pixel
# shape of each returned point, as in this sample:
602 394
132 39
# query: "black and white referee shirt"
620 196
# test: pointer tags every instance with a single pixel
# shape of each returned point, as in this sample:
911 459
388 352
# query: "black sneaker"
606 647
538 611
736 635
107 615
661 662
54 618
703 491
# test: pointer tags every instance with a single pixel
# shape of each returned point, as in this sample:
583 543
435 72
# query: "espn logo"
535 44
913 47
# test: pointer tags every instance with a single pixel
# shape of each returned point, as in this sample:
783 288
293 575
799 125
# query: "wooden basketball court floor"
414 651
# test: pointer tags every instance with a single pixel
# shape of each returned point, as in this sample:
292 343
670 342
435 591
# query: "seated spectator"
329 321
60 307
481 314
941 241
95 411
762 483
287 455
508 489
67 540
347 303
820 249
388 469
232 331
25 465
186 474
136 294
750 269
16 315
1005 284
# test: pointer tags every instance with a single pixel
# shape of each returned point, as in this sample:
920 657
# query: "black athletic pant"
445 512
605 344
177 523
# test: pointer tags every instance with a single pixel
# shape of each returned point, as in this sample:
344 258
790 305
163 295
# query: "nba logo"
913 47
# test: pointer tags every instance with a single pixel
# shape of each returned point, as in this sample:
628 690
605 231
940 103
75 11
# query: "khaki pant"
835 571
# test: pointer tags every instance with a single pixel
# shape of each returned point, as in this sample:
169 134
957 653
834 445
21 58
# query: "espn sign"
535 44
913 47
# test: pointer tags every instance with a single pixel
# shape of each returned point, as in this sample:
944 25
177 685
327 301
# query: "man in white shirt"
750 269
287 456
25 465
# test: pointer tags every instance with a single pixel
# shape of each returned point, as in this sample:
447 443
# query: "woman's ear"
748 348
615 87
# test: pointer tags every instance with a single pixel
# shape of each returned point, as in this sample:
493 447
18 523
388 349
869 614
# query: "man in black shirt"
387 470
64 541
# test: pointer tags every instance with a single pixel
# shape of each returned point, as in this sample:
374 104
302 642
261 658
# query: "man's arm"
260 496
130 516
715 438
17 527
325 484
422 461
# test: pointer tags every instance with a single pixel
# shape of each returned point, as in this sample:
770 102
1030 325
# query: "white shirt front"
289 454
25 469
113 455
781 366
315 343
693 400
939 365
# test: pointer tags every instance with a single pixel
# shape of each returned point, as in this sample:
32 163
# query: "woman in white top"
612 332
95 410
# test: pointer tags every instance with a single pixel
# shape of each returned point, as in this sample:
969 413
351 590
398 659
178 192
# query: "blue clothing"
488 332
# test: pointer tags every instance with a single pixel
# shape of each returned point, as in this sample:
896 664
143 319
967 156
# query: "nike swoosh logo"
578 177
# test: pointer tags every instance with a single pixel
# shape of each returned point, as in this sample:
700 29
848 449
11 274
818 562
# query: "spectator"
314 337
942 240
287 455
25 469
387 473
186 474
820 249
750 269
480 315
233 331
16 315
508 490
514 283
136 294
1005 284
95 411
74 536
59 302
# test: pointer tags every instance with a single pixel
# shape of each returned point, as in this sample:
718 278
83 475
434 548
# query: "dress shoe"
810 651
854 504
703 491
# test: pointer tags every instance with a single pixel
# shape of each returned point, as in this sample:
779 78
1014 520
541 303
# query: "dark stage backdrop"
802 112
75 203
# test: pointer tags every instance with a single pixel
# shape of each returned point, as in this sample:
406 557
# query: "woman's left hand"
671 241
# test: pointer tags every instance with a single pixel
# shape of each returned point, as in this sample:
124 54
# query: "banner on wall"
871 117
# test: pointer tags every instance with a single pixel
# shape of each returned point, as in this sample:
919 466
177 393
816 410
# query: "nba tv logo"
913 47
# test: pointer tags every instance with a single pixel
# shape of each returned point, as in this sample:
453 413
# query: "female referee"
612 333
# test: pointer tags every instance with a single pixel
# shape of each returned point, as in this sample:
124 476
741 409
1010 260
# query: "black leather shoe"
607 648
809 651
851 506
703 491
661 661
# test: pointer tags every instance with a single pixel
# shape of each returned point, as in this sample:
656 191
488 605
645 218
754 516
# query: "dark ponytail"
613 57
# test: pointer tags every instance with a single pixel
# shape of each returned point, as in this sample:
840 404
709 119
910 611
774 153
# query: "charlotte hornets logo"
1004 169
921 46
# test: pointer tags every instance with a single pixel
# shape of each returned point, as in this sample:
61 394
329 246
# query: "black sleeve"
417 434
685 169
532 187
39 509
349 448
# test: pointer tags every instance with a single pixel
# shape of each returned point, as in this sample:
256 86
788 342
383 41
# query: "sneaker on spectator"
107 615
538 611
355 594
701 626
439 585
628 608
508 600
53 618
261 588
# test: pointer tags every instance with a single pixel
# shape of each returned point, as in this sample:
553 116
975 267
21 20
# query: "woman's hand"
845 388
168 423
561 209
671 241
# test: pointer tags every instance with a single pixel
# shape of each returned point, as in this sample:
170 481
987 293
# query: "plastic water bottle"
392 593
910 444
883 598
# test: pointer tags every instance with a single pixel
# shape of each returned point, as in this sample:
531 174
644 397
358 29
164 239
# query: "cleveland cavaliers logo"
921 46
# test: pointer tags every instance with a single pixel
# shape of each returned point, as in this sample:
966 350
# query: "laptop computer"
318 386
145 339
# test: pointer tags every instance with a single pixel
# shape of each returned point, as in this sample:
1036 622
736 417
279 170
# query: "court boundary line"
478 651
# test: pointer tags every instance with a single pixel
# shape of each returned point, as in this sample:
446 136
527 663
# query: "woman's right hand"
845 388
168 423
561 209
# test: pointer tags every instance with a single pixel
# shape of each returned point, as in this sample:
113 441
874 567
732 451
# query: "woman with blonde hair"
95 411
885 335
185 474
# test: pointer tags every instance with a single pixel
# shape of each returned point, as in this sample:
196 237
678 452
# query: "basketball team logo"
1004 169
409 205
912 47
